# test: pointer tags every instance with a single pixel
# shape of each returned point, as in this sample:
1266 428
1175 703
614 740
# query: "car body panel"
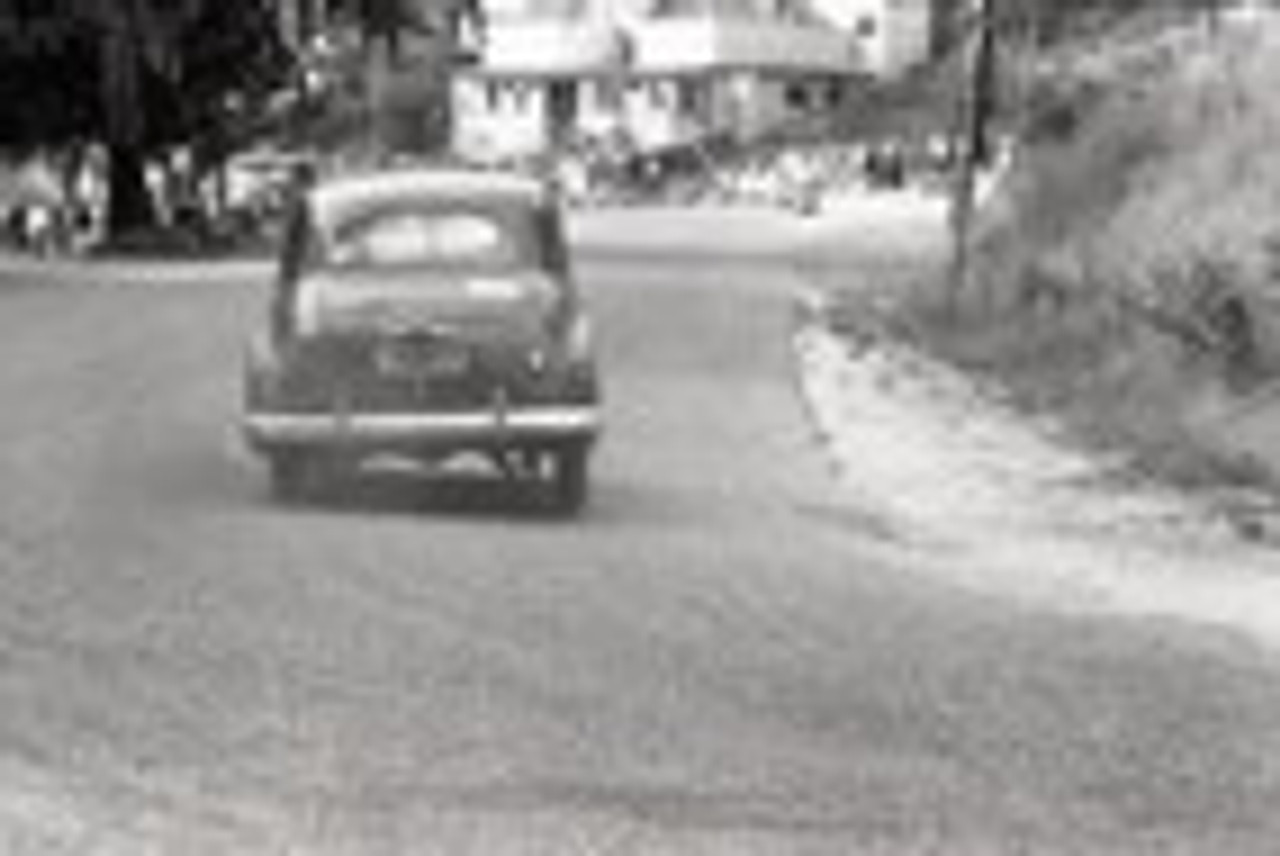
465 350
497 426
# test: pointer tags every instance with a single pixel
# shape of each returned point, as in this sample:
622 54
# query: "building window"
608 95
797 96
522 93
866 27
493 96
690 96
657 94
835 94
562 102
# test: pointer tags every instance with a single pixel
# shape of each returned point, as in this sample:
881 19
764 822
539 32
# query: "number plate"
425 360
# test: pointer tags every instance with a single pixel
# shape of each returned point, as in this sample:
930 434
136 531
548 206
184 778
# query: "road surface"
712 661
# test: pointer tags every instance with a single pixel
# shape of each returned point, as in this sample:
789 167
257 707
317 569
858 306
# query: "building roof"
754 9
577 9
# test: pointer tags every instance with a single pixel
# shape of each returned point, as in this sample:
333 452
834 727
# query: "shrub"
1133 260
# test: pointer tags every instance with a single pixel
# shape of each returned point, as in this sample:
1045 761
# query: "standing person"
297 224
15 223
39 228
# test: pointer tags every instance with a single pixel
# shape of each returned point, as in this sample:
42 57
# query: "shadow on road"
672 808
485 497
473 494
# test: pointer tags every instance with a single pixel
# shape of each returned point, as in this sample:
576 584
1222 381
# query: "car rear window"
423 237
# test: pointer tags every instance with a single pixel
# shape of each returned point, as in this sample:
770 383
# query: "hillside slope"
1129 273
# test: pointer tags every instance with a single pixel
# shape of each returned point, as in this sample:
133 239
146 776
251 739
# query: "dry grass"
1132 265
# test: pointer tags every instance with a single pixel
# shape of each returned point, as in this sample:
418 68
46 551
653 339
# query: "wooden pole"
970 142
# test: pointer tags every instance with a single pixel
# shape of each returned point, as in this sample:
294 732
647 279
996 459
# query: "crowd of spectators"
39 213
43 213
800 175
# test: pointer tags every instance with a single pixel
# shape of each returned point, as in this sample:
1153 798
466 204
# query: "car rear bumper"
375 430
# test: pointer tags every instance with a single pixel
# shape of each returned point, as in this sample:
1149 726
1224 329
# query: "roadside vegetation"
135 111
1127 275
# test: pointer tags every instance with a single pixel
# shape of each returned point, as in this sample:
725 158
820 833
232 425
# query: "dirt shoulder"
1125 279
988 494
18 271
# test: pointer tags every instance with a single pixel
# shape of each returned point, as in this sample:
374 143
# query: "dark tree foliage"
409 50
390 19
1052 20
137 76
1055 20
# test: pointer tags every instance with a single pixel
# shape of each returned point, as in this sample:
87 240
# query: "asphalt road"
711 661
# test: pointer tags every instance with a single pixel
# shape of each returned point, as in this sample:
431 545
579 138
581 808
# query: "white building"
1250 11
892 35
665 72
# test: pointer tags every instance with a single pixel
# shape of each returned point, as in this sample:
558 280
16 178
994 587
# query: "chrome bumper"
532 424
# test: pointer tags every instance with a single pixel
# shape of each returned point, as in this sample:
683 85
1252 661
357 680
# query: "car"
425 314
257 184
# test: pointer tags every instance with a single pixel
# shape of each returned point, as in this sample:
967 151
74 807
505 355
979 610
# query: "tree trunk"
129 203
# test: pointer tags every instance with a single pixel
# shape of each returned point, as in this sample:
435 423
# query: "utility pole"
1213 16
971 138
381 24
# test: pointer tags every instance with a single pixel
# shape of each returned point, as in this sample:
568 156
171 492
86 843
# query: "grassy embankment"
1127 278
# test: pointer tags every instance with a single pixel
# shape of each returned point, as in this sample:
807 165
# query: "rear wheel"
570 478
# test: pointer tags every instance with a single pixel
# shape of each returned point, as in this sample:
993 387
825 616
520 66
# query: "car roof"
335 199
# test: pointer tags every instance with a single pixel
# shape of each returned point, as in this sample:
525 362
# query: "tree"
405 95
137 76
